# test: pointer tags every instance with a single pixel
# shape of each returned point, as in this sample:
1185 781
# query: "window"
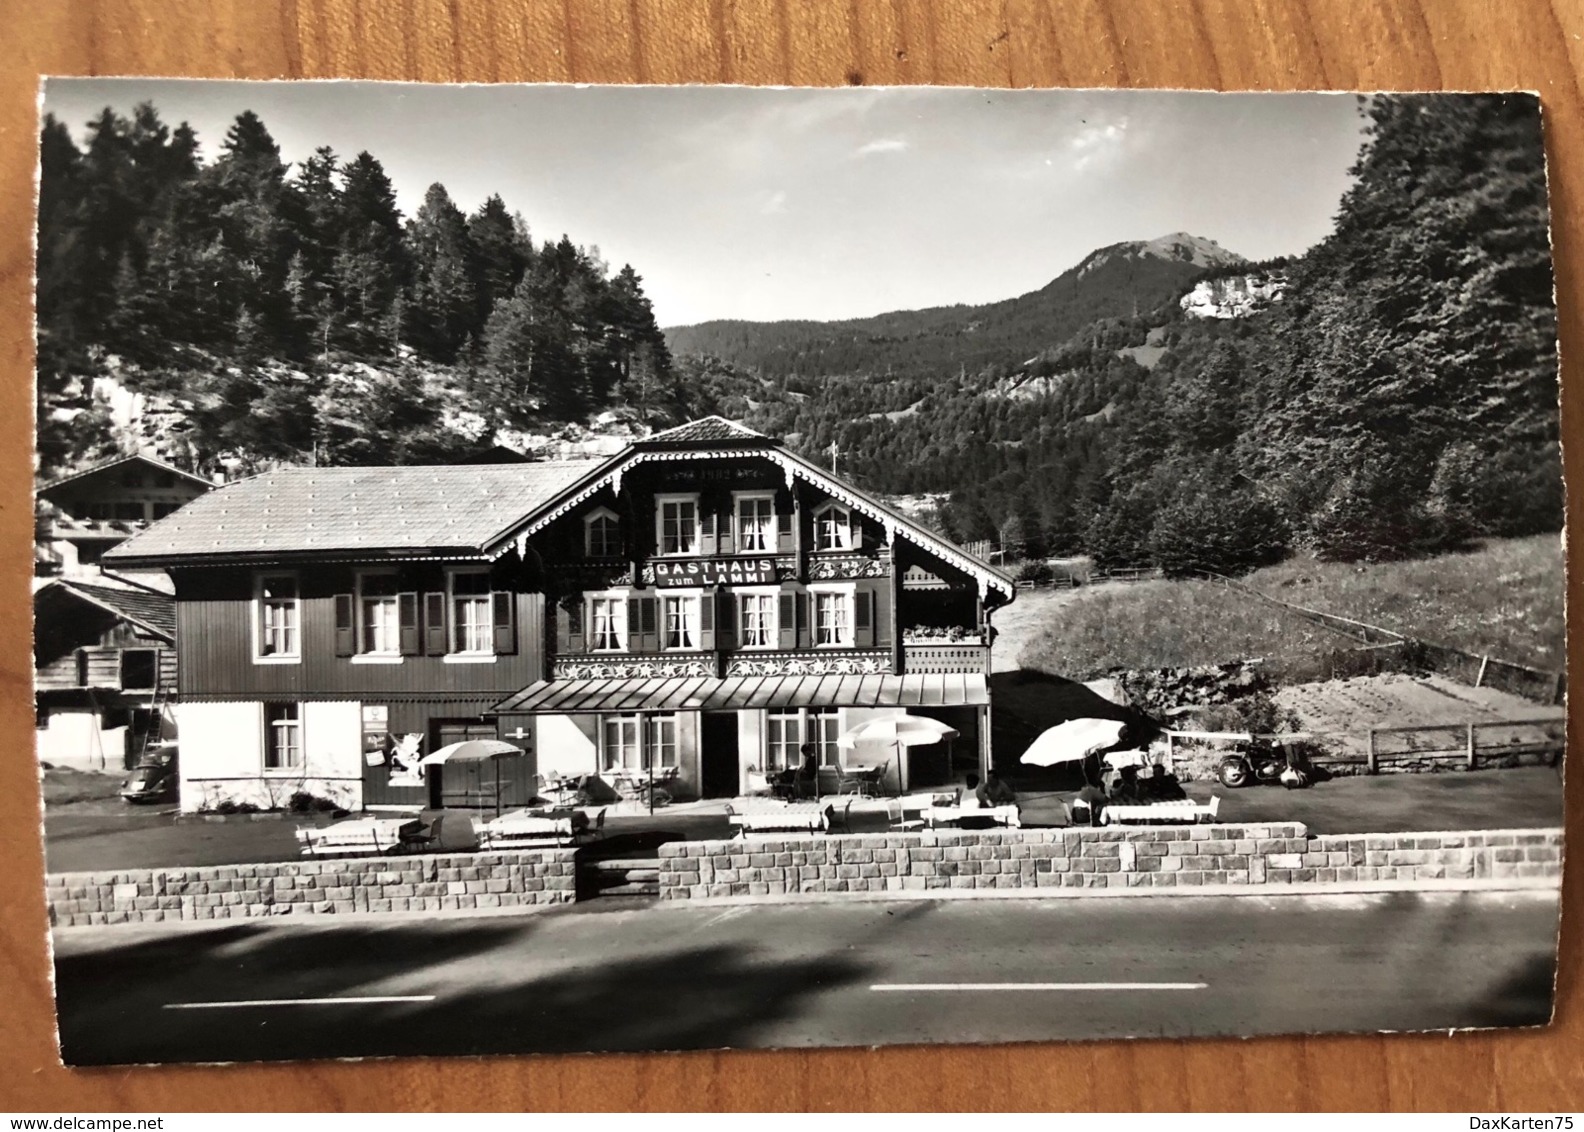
679 528
163 509
756 523
632 742
282 737
681 616
619 735
602 535
832 529
129 512
607 628
378 615
833 619
823 727
758 620
472 627
279 616
783 737
660 741
139 668
787 731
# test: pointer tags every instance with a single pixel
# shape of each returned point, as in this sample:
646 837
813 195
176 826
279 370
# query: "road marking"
350 1000
1035 986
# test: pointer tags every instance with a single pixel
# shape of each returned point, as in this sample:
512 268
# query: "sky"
764 203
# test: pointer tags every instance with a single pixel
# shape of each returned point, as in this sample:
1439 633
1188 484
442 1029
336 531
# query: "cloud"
882 145
774 203
1096 142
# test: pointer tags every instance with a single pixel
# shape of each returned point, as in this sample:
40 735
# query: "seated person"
995 792
1124 788
1162 786
804 778
972 795
1090 803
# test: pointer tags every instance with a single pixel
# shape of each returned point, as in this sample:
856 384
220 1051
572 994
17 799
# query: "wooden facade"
426 689
318 658
889 619
102 678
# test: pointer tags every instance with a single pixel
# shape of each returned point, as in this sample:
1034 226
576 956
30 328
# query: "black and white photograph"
562 569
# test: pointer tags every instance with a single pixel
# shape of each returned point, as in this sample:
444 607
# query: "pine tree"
370 268
444 267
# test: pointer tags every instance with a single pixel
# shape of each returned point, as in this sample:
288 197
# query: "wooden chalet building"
705 599
82 515
104 671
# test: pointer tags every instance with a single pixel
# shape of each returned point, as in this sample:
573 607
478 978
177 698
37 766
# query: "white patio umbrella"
1073 741
900 731
474 751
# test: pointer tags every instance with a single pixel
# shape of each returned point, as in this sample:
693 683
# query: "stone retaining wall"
315 887
1187 856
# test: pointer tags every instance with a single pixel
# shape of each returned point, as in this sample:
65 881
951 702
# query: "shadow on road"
1523 998
112 1001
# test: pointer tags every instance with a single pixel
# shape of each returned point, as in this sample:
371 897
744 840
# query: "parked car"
153 779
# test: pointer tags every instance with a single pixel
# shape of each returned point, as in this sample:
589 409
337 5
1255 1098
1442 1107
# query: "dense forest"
295 315
1400 397
991 337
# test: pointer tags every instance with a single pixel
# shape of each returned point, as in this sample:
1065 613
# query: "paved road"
805 975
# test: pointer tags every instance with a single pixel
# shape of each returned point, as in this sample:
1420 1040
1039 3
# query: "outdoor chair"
827 780
854 782
837 822
426 837
804 786
595 829
759 784
896 816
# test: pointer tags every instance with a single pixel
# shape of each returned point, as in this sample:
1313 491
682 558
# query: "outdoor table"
805 817
952 815
372 836
528 828
1161 812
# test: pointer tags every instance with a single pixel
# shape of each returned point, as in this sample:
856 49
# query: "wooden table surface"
1218 44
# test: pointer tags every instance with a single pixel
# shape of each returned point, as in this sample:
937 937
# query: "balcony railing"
934 655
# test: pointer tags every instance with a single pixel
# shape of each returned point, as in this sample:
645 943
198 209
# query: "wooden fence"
1452 743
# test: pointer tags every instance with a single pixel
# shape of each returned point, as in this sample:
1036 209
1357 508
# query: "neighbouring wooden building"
104 672
705 599
82 515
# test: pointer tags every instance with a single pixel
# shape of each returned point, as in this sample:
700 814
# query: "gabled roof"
148 609
705 430
474 511
609 475
384 511
108 465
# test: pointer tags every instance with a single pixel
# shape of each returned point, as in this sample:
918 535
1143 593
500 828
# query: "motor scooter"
1264 762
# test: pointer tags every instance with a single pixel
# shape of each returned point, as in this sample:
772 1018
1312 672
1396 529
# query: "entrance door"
472 784
718 755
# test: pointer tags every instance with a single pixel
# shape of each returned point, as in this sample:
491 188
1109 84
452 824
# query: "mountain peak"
1198 250
1175 247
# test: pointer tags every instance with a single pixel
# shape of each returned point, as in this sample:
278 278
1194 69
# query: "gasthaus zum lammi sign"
716 572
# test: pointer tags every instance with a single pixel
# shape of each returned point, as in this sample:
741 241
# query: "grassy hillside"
1504 599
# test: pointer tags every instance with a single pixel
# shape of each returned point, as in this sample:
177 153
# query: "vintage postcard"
541 569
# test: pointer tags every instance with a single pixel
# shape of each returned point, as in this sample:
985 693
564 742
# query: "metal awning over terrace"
569 697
